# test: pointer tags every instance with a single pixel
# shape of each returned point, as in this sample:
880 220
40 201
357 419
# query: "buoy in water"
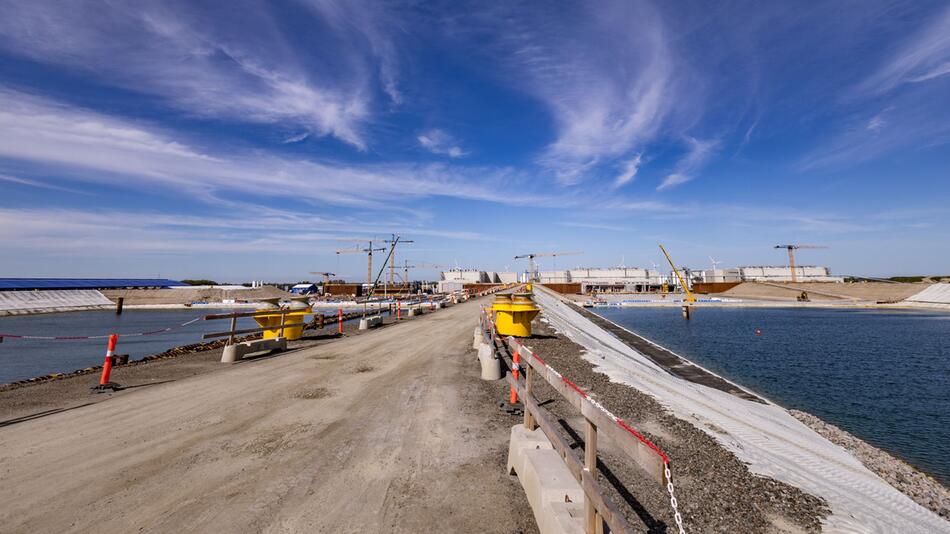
758 331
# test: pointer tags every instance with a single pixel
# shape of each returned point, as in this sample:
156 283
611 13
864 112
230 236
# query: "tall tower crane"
533 268
791 256
392 257
369 257
326 276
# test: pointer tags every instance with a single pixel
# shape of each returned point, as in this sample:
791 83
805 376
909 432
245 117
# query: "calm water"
21 358
881 375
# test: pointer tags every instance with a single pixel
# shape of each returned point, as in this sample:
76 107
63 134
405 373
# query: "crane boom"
689 294
791 257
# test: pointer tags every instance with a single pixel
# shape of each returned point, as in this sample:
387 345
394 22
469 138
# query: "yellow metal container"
502 312
271 322
513 315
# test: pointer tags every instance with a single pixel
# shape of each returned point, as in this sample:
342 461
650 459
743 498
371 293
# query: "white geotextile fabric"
937 294
765 436
14 301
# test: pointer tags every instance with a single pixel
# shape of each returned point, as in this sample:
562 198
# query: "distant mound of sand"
826 291
189 295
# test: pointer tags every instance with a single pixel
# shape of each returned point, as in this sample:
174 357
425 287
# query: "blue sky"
249 139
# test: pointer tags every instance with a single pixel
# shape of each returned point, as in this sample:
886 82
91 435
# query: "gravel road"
388 431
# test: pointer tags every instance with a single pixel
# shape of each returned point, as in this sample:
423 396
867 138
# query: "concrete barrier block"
523 440
370 322
547 481
565 517
236 352
491 366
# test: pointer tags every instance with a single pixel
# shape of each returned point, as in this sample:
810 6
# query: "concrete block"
546 481
556 498
523 440
491 366
236 352
477 338
369 322
565 517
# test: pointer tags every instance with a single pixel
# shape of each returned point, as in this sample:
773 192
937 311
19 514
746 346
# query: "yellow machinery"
514 313
689 294
272 321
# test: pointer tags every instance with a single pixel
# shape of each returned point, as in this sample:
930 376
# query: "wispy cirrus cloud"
923 56
608 77
698 152
629 172
96 148
220 70
440 142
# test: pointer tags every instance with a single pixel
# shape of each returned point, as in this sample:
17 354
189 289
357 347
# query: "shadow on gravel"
653 525
38 415
121 388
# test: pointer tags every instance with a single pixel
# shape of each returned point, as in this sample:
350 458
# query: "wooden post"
591 517
283 319
233 328
118 305
528 417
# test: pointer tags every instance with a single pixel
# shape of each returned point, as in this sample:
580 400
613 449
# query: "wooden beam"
245 331
644 456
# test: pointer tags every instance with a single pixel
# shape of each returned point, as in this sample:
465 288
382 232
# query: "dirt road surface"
389 431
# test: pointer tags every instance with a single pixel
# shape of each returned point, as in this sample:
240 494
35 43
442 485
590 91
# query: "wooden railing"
598 509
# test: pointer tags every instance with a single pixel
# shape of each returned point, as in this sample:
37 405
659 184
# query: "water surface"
881 375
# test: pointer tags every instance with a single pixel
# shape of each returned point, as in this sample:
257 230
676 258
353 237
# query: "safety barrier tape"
104 336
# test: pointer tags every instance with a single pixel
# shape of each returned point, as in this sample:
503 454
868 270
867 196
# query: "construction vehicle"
689 294
791 256
533 267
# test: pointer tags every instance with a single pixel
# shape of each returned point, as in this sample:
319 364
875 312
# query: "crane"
392 258
369 257
326 276
533 268
791 256
689 294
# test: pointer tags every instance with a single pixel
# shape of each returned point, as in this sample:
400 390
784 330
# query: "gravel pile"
716 491
922 488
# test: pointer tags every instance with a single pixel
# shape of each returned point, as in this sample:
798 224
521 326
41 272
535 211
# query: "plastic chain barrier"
104 336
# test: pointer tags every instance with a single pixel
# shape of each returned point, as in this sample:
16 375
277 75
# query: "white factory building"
803 273
615 279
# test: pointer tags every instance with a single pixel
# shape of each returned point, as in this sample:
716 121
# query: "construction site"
399 405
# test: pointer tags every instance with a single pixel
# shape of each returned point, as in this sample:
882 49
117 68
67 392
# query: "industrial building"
468 276
782 273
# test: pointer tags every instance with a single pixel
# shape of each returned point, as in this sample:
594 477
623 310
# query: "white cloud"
922 57
92 147
219 70
697 154
296 138
630 169
439 142
608 77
